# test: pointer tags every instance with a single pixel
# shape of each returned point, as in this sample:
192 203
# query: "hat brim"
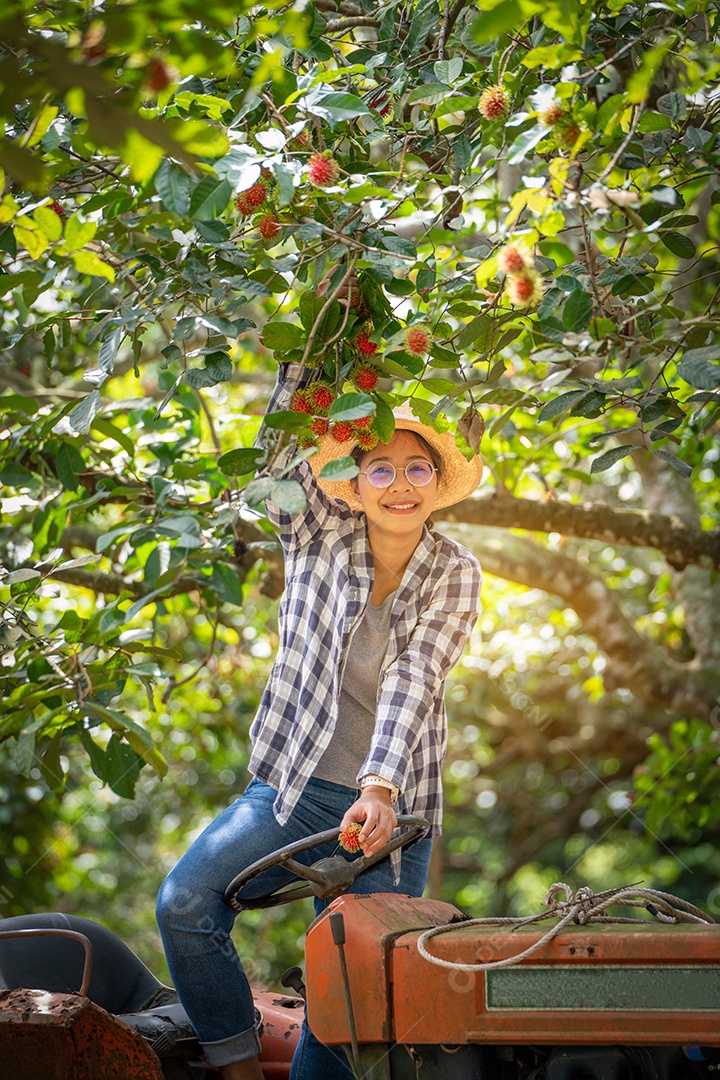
458 477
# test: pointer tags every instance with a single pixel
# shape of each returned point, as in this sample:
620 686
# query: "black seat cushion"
120 982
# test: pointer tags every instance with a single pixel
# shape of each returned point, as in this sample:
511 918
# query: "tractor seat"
120 982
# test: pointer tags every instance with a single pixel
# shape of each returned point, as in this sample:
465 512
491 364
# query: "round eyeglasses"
381 474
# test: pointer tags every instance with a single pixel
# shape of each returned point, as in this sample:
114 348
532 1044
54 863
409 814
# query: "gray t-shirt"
351 739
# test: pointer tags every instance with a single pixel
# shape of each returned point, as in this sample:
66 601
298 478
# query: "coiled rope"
582 908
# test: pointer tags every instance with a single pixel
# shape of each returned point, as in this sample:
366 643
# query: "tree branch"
680 543
633 661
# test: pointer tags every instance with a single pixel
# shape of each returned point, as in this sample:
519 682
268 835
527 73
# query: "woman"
351 726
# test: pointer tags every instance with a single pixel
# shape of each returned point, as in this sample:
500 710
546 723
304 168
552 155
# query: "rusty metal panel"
372 923
634 985
282 1019
67 1037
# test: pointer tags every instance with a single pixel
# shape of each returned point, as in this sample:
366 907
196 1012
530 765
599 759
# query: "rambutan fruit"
494 102
364 345
418 340
366 437
268 227
323 170
301 402
320 426
342 431
513 259
552 115
321 396
525 289
349 837
365 377
256 195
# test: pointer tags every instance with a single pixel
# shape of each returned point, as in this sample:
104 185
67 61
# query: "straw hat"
457 477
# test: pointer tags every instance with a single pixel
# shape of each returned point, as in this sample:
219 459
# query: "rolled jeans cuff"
237 1048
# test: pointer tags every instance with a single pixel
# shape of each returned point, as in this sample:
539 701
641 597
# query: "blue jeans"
195 922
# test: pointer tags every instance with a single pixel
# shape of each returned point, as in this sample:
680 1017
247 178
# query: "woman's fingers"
377 817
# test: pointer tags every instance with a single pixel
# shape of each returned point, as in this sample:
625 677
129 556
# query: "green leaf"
78 233
225 583
241 461
680 467
429 94
288 495
508 15
673 105
111 432
577 310
503 395
81 417
287 420
173 187
679 243
69 463
344 468
604 461
351 407
697 371
448 71
639 82
336 107
560 404
526 142
282 336
384 422
209 198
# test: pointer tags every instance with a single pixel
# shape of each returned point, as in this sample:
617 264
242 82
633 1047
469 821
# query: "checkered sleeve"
296 528
414 681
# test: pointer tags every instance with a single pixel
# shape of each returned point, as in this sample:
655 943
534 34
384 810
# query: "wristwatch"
380 781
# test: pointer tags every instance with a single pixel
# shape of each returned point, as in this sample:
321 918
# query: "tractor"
407 987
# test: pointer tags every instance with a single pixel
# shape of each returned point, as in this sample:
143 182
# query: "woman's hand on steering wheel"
376 815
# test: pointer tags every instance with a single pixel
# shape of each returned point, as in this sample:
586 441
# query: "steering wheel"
327 878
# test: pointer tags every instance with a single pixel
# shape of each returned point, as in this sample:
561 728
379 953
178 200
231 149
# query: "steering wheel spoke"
327 878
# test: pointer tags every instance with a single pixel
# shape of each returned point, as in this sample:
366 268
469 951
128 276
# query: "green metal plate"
597 987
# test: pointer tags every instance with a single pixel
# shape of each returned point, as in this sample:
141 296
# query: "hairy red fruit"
366 438
524 289
513 259
256 195
320 425
268 227
54 205
321 396
418 340
158 75
494 102
552 115
242 204
569 133
301 402
364 345
349 837
306 441
342 431
302 141
363 422
323 170
365 377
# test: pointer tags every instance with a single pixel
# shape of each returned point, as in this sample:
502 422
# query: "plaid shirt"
329 578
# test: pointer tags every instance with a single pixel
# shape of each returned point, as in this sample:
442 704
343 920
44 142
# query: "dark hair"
357 454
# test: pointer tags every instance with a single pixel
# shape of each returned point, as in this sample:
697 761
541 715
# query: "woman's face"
399 508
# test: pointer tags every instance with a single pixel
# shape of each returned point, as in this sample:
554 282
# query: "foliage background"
143 317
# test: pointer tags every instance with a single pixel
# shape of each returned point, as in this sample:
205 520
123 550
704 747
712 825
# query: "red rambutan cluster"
252 198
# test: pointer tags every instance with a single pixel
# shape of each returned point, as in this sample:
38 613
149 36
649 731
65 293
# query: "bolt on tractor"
407 987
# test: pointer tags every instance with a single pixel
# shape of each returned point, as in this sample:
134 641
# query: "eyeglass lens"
381 474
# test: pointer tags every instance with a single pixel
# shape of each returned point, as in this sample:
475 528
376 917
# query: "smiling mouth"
401 506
